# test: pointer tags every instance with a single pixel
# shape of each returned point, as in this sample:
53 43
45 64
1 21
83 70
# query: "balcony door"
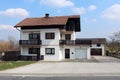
67 53
35 36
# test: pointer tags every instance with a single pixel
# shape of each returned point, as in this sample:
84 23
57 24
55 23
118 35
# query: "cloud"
92 8
57 3
112 13
15 12
80 10
7 27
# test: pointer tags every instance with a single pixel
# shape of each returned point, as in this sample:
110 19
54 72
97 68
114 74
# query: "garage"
95 51
80 53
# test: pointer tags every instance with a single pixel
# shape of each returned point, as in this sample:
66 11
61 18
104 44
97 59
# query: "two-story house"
54 39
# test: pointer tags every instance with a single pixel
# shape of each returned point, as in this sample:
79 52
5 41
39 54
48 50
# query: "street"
60 78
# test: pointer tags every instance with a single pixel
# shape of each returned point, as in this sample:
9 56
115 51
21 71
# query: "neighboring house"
54 39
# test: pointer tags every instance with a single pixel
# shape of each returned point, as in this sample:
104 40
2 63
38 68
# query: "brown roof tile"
57 20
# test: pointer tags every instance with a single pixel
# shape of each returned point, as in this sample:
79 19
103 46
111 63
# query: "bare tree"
10 45
114 43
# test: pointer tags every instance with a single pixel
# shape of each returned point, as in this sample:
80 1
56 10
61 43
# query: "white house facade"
54 39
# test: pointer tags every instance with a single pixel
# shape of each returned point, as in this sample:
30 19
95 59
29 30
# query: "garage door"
81 53
95 51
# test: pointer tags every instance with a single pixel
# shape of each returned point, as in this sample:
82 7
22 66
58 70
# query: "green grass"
12 64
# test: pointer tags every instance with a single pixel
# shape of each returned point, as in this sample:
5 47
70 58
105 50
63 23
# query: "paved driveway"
67 68
106 59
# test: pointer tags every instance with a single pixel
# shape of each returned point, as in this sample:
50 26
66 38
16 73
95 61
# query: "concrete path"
106 59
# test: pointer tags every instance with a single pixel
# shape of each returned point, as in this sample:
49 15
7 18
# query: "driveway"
106 59
74 68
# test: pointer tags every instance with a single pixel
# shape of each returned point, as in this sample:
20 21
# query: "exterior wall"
24 52
50 41
55 57
100 47
24 35
72 51
54 43
73 36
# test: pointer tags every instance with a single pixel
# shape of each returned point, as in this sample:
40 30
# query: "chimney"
47 15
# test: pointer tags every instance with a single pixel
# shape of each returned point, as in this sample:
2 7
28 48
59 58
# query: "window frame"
32 36
31 50
50 35
52 51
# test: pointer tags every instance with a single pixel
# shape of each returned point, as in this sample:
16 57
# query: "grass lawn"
12 64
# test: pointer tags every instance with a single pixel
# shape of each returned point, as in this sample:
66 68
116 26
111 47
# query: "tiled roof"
46 21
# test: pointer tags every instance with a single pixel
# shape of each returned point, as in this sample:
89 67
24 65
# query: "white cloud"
92 8
15 12
80 10
7 27
57 3
112 13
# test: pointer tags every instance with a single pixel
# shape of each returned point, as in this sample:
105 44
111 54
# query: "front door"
67 53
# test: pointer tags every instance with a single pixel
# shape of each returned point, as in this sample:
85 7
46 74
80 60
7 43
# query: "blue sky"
99 18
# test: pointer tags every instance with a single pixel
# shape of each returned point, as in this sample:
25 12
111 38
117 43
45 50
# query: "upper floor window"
68 36
34 36
50 35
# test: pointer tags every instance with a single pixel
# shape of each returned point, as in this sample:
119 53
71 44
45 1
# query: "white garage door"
81 53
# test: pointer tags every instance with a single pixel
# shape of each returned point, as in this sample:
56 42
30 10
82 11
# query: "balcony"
30 42
75 42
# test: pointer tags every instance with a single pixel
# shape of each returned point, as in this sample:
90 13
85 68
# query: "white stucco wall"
50 41
73 36
72 51
55 57
24 52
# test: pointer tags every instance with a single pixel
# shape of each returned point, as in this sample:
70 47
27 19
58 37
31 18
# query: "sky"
98 18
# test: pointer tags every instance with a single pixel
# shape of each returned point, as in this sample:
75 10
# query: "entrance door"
67 53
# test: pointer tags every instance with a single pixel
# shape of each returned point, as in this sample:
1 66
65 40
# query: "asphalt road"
60 78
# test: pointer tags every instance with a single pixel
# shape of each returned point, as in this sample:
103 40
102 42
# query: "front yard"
12 64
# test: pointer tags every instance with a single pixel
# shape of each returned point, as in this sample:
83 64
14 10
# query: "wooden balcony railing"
30 42
75 42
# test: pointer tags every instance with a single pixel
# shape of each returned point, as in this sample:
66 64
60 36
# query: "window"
98 45
50 35
50 51
34 36
34 50
67 36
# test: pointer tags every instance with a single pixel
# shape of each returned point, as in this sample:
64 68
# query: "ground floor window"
50 51
34 50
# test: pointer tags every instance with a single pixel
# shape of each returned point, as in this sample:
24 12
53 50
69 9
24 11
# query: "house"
54 38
